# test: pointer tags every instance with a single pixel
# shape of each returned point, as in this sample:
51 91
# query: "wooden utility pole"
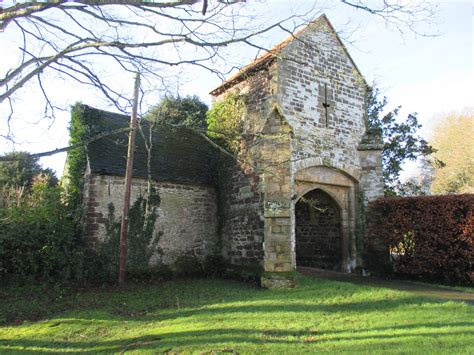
128 184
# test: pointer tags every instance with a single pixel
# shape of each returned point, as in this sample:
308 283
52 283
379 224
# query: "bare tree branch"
84 39
27 8
397 13
71 147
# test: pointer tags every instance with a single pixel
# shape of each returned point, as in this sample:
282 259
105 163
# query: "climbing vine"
76 160
82 127
224 121
142 238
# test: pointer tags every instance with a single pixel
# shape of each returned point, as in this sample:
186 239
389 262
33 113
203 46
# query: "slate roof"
179 154
269 56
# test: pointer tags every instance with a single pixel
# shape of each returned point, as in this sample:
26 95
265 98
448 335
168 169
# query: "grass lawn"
204 316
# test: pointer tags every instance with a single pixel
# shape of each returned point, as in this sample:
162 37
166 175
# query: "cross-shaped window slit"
325 104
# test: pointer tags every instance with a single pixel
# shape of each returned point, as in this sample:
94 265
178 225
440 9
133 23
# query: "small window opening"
326 105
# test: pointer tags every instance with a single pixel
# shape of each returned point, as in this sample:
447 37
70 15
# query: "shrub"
214 265
38 239
224 121
426 237
188 266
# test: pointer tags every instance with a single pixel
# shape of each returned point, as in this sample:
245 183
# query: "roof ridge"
270 55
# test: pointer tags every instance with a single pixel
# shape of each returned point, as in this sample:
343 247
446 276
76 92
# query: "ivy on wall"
224 121
81 128
224 124
142 238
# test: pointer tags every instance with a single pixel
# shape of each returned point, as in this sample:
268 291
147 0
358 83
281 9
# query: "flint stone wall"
240 212
241 195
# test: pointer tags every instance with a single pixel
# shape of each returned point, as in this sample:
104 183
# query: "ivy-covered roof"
178 154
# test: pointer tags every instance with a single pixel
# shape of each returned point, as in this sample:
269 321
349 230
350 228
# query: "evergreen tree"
401 140
187 111
23 170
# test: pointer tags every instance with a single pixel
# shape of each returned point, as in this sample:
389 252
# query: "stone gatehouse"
306 167
315 163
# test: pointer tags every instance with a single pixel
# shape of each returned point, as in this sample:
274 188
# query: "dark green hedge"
38 239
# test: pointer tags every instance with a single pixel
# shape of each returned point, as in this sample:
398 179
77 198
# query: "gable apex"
270 55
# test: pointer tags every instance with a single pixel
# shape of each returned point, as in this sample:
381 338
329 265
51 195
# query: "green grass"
200 316
466 289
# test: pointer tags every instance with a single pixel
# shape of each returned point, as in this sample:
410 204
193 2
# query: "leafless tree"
85 41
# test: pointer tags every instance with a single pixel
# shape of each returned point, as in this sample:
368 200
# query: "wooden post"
128 184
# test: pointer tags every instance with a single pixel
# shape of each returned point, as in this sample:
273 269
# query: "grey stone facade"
304 138
187 215
305 118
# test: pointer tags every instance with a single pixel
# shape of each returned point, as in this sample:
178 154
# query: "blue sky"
428 75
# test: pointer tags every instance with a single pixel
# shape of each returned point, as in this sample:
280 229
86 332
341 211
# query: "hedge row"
39 241
427 237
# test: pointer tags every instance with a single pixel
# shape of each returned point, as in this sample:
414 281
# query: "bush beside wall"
427 238
38 238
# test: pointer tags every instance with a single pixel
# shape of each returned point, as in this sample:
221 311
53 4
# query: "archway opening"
318 231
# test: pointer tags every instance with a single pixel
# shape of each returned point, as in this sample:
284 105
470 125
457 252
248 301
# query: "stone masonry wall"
323 97
318 232
241 197
275 149
371 174
187 215
370 152
240 211
308 104
327 77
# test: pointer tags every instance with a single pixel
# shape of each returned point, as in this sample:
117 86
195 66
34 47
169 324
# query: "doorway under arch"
318 233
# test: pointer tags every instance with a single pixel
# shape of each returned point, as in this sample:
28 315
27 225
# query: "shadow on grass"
208 340
198 297
210 301
223 309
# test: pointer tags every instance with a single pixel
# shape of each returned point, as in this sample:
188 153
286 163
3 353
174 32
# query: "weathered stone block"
282 221
283 256
276 281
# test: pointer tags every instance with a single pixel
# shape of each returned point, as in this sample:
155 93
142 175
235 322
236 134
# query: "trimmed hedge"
427 237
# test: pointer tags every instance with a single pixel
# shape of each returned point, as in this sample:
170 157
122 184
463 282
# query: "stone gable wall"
302 93
187 215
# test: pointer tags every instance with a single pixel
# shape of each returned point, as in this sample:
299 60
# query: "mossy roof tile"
179 154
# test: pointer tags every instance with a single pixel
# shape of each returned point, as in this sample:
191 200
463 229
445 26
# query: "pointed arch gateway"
318 231
324 234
